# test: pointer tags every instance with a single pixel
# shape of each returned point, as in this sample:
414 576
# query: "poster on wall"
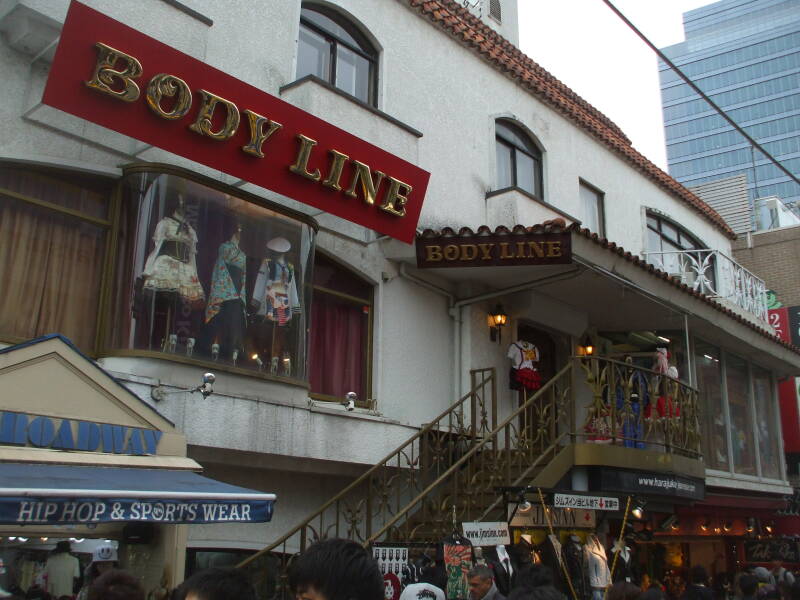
391 559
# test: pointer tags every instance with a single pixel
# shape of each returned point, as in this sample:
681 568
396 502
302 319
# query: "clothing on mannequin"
596 562
275 291
524 375
226 318
626 567
574 560
172 265
503 568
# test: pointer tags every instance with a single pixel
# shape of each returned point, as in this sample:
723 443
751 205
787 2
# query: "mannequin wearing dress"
226 318
276 300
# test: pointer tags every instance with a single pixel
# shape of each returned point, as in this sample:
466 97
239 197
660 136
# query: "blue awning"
64 495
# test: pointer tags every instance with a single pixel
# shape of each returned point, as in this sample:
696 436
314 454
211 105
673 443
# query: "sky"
585 45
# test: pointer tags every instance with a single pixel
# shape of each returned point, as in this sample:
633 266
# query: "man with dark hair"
116 585
216 584
749 586
481 584
698 579
335 569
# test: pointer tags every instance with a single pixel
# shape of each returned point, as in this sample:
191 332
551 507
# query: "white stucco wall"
428 82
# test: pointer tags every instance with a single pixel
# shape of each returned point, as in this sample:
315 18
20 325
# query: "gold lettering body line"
205 116
162 85
335 174
433 253
257 134
300 166
369 188
105 75
486 251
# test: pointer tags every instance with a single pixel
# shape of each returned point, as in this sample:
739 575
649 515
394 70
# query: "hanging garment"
626 566
573 556
550 551
172 265
275 291
505 573
596 564
631 417
524 374
457 563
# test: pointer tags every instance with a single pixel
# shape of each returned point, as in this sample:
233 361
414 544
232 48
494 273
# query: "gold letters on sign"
169 97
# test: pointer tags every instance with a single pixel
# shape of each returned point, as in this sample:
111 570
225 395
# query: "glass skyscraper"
745 55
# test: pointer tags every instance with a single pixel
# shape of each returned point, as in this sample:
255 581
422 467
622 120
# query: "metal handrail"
461 461
382 464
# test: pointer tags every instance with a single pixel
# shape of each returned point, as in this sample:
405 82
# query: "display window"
709 384
54 229
741 415
202 274
769 441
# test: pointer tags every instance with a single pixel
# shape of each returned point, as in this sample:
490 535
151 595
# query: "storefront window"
709 384
340 329
206 275
53 229
766 420
744 458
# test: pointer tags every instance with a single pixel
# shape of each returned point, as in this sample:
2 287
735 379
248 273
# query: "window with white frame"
592 210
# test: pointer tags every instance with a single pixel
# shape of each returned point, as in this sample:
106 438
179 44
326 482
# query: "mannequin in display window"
226 319
575 561
169 279
597 569
626 563
276 300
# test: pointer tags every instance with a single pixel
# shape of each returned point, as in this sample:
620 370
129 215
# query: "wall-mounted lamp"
496 319
206 388
586 347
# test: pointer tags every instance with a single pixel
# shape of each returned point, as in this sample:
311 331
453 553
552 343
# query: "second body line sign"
119 78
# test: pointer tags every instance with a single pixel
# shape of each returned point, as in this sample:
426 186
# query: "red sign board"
779 319
114 76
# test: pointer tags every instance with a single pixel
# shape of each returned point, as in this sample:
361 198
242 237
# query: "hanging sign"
114 76
487 534
576 518
508 250
71 511
764 551
585 502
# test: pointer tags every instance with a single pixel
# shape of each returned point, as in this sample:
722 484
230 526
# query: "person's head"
535 576
216 584
335 569
776 565
62 546
652 593
480 580
542 592
623 590
116 585
762 574
748 584
698 575
422 591
794 593
104 558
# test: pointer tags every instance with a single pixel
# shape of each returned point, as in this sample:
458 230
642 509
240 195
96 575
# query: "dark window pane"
709 382
330 26
592 209
669 231
352 73
526 172
313 55
516 138
505 172
744 456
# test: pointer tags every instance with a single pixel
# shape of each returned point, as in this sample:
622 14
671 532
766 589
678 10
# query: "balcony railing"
716 275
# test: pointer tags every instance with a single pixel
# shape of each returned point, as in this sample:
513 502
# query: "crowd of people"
337 569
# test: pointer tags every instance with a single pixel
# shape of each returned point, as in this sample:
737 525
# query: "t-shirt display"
524 374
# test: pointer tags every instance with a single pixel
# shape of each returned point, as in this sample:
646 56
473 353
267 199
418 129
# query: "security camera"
208 384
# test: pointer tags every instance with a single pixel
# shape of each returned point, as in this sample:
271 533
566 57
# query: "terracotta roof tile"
473 33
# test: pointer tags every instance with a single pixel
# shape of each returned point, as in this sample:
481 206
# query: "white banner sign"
585 502
487 534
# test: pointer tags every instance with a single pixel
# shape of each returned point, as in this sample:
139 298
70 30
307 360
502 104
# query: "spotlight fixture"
206 388
638 508
675 526
769 527
727 526
523 506
668 523
704 525
751 525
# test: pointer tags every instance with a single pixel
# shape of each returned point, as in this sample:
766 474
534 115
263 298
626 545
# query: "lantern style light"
497 319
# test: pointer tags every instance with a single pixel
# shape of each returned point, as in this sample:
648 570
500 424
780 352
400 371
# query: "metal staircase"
453 466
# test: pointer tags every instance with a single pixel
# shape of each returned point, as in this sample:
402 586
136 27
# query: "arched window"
676 251
519 160
341 324
333 49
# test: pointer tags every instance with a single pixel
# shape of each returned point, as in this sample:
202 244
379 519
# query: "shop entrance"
546 366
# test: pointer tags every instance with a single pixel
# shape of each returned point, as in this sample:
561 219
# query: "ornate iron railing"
372 500
450 470
637 408
715 274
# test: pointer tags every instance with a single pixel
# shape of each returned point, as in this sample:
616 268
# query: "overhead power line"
702 94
